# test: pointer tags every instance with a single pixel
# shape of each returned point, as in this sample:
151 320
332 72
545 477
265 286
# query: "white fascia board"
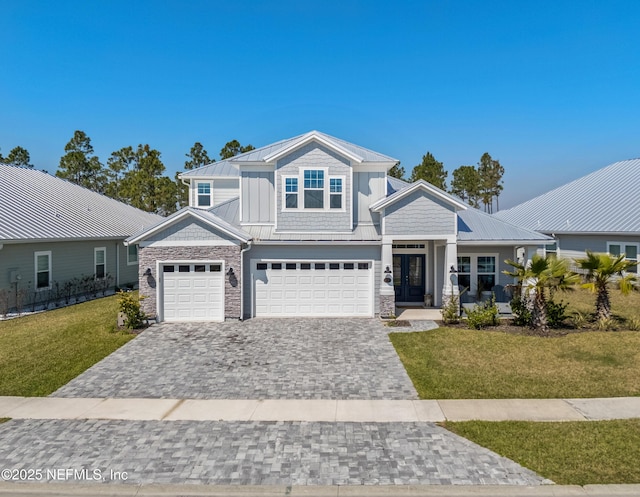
308 139
333 243
418 238
419 185
251 164
194 243
489 243
209 177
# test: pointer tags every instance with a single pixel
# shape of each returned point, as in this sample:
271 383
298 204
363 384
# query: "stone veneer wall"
387 306
147 257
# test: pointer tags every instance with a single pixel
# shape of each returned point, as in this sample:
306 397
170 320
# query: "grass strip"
569 453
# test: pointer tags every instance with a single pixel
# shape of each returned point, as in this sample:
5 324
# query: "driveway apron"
254 359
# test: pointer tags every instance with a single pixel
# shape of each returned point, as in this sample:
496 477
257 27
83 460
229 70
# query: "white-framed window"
335 193
629 249
132 255
100 262
477 272
313 188
203 194
290 193
551 248
42 261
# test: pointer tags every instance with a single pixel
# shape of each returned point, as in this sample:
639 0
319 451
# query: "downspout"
242 266
118 264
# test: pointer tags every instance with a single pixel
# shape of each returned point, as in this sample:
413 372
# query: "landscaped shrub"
521 312
129 305
483 315
451 310
522 315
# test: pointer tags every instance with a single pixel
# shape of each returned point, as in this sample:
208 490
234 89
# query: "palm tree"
603 269
536 278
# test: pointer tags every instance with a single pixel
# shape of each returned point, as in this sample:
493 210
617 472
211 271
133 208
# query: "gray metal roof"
229 211
226 168
477 226
395 184
605 201
222 169
37 206
361 233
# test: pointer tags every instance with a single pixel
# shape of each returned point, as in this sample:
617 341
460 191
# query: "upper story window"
291 193
319 191
630 251
314 189
335 193
204 194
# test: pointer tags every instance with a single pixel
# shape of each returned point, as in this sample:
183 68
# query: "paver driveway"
255 359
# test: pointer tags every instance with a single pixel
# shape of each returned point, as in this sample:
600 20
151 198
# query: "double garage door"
193 291
312 288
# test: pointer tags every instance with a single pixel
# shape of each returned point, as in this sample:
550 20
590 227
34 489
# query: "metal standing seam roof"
35 205
228 167
605 201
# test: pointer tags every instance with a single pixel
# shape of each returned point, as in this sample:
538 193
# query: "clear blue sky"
550 88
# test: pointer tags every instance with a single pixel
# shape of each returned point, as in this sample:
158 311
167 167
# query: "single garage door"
313 288
193 291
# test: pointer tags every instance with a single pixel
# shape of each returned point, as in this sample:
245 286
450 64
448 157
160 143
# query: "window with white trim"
203 190
335 193
313 189
291 193
42 262
477 272
100 262
132 255
629 249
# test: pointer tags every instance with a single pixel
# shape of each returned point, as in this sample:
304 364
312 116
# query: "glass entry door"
409 277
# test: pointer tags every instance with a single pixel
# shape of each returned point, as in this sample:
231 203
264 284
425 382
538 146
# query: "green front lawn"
41 352
455 363
575 453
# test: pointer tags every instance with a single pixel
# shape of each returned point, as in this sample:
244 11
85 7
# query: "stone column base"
387 306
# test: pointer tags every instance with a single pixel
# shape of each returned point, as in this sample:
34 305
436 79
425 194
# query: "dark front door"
408 277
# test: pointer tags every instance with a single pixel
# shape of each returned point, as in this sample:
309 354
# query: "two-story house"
313 226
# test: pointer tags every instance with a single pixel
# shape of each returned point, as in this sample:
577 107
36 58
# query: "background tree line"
136 175
472 184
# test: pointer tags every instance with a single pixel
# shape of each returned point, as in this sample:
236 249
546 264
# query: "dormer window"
204 193
320 191
314 189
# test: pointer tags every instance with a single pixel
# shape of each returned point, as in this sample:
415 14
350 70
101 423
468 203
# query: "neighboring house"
312 226
598 212
52 231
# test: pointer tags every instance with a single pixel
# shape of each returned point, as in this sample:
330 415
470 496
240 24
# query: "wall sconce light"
230 272
147 272
387 275
453 270
387 271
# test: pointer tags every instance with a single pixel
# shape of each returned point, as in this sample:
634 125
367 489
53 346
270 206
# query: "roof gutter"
504 242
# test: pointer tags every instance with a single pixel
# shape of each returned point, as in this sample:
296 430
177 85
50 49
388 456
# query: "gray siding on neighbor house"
368 187
311 253
257 197
419 213
572 246
314 156
189 230
225 189
68 260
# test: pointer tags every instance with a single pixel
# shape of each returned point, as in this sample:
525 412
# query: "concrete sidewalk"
320 410
73 490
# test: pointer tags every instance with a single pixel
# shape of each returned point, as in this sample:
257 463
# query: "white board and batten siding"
192 291
312 288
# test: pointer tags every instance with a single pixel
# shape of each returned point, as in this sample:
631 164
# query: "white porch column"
450 283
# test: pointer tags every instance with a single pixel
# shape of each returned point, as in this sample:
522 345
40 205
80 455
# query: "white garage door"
193 291
313 288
